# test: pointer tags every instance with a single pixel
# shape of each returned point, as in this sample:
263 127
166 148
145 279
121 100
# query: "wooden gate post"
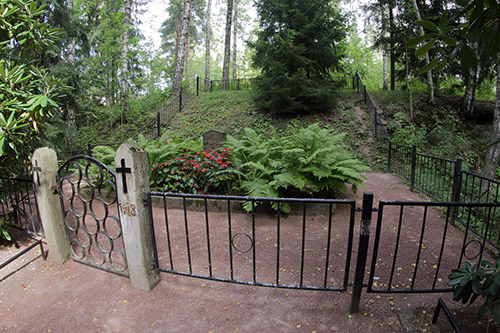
45 167
132 184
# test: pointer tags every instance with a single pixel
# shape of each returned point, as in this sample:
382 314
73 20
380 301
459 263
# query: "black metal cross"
123 170
37 170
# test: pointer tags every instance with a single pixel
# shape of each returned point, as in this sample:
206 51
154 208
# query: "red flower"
227 149
203 170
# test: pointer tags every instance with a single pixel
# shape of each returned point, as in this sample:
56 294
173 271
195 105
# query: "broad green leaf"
482 311
449 40
430 65
426 48
469 56
443 21
428 25
412 43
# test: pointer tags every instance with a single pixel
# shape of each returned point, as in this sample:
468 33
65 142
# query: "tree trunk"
235 35
124 70
393 57
467 104
408 86
181 50
70 111
208 31
227 44
430 83
384 49
493 151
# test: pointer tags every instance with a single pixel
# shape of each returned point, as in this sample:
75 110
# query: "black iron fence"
212 237
444 180
231 84
64 155
417 254
379 128
19 209
18 205
152 129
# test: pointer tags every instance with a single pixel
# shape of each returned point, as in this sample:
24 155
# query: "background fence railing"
231 84
444 180
379 127
152 129
18 205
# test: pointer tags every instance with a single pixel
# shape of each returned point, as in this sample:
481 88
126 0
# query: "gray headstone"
213 139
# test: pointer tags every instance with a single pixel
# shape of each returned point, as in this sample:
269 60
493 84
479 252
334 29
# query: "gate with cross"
87 190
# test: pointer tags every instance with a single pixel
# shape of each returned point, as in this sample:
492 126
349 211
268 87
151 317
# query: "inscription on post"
128 209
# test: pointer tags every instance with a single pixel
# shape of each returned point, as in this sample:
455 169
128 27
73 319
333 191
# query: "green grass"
232 111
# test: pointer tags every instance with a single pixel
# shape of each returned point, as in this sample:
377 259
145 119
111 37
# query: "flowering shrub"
195 172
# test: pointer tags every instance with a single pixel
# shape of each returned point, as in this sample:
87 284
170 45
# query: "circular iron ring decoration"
478 253
244 236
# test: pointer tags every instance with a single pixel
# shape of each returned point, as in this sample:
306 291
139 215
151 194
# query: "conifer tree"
298 48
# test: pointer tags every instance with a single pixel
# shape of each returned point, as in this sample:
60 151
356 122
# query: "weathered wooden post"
45 168
132 184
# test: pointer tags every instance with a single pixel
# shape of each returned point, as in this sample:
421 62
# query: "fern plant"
311 162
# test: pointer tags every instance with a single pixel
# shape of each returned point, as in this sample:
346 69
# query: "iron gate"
406 259
215 239
87 190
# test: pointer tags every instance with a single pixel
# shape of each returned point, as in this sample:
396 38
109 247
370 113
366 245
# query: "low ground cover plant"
195 172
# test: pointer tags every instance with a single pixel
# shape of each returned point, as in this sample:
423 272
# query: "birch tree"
430 83
227 43
208 36
235 37
124 58
181 49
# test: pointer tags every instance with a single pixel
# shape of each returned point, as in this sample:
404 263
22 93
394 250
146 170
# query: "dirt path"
74 297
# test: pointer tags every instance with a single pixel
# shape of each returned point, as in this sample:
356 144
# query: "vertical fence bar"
158 124
364 237
254 265
278 245
375 120
389 155
180 101
457 188
303 244
89 148
230 234
413 167
207 227
197 85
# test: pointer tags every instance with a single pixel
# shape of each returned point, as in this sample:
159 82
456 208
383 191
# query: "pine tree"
298 48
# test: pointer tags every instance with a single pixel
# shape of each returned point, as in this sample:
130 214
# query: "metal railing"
222 242
19 209
379 128
18 205
444 180
423 249
231 84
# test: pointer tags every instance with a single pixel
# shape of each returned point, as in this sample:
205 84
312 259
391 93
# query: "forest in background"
67 65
